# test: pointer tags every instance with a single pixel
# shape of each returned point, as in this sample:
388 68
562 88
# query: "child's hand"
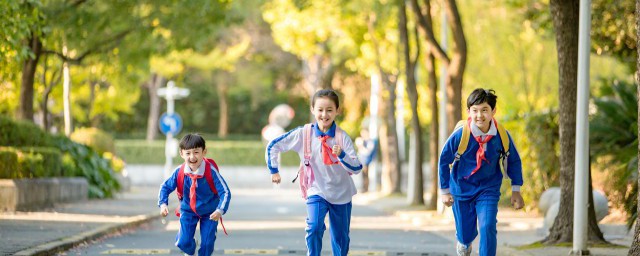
447 199
164 210
275 178
215 216
516 200
337 150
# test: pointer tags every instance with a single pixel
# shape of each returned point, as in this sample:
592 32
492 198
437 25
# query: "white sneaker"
197 243
463 250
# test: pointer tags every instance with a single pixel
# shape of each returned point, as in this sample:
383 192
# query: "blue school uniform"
207 202
476 196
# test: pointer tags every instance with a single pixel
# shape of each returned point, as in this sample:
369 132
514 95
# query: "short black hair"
191 141
479 96
328 93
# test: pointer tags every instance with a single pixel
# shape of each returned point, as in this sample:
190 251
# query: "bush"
116 162
249 153
8 162
36 161
40 162
22 133
95 138
89 164
540 155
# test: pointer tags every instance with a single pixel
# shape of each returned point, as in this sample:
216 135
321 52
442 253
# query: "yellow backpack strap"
464 141
503 137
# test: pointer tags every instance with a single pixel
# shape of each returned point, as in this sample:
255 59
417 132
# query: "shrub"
89 164
249 153
540 154
116 162
40 162
8 162
22 133
613 142
95 138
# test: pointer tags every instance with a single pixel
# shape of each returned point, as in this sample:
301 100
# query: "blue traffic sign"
170 123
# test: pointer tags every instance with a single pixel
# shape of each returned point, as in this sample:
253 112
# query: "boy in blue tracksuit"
472 184
204 202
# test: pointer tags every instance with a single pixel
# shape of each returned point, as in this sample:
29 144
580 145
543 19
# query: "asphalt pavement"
55 230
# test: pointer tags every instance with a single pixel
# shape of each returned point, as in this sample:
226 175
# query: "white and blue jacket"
332 182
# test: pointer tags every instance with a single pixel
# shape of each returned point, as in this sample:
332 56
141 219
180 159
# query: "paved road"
265 220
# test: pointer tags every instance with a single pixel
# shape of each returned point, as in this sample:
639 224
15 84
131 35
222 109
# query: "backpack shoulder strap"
180 182
208 174
306 141
339 136
464 141
503 136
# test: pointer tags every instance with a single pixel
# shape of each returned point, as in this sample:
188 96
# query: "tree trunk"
433 132
388 137
223 124
55 79
154 105
389 143
455 63
415 191
425 22
25 110
317 72
565 22
44 106
92 97
635 245
66 98
456 67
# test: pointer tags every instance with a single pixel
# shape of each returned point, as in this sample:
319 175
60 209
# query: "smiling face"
193 157
325 111
481 115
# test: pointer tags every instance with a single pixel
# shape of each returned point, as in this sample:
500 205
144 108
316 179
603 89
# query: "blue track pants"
185 237
339 221
477 214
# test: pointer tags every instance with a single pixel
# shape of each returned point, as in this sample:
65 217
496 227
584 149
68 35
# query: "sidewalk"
516 229
67 225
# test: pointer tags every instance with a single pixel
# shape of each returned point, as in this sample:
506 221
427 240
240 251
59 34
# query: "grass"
539 245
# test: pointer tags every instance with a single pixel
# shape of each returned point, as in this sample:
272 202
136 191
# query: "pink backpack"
305 173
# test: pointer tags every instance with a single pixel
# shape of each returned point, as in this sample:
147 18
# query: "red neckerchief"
480 153
327 152
192 191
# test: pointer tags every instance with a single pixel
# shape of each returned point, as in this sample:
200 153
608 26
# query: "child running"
204 196
476 151
327 160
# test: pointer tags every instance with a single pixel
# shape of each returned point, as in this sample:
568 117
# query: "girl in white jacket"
325 176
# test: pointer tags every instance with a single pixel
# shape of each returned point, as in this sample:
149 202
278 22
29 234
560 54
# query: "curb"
69 242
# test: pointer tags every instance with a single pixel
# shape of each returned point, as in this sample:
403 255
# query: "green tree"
455 61
565 21
416 197
94 28
612 29
315 32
